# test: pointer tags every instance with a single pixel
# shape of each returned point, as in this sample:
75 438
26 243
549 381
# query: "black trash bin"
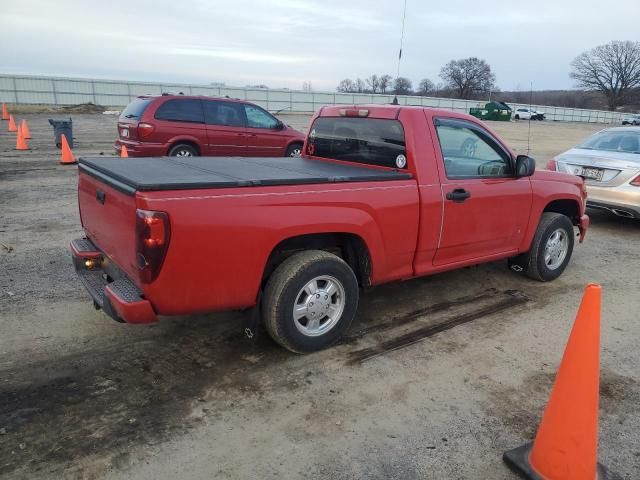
62 127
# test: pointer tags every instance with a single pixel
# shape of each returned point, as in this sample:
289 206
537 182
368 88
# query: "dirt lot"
437 378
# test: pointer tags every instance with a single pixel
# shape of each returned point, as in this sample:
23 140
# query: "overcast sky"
283 43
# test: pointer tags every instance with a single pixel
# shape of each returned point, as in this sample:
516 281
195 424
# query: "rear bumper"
140 149
622 210
110 289
624 200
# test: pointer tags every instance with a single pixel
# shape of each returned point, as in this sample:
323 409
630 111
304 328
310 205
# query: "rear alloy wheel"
294 150
468 148
551 248
310 301
183 150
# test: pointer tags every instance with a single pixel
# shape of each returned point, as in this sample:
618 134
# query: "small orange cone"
5 114
25 130
566 445
67 154
12 124
123 152
21 143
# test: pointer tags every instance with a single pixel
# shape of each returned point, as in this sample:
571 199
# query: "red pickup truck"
381 193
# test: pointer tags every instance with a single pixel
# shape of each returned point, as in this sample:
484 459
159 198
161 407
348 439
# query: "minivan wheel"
294 150
551 248
517 117
309 301
183 150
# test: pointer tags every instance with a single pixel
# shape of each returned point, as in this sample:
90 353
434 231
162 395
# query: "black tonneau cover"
173 173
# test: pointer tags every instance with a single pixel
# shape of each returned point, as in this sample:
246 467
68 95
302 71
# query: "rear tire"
183 150
551 248
294 150
310 301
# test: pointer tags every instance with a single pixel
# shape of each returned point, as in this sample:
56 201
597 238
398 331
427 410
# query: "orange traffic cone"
21 143
12 124
566 445
67 154
123 152
5 114
25 130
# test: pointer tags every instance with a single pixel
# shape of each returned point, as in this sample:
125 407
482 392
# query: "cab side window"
470 152
258 118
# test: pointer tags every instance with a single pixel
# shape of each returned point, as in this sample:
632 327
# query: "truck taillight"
635 182
354 112
552 165
152 240
145 129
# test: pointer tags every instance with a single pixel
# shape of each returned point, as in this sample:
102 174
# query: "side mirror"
525 166
279 125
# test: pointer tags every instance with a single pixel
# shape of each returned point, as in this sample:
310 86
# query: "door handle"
458 195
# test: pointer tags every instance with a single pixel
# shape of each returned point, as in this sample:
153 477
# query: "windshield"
613 141
136 108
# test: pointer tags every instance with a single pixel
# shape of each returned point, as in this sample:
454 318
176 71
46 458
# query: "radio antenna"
530 115
404 16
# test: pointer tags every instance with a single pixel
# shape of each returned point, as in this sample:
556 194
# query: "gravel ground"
402 397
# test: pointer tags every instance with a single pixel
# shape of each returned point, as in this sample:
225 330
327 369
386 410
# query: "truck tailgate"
108 215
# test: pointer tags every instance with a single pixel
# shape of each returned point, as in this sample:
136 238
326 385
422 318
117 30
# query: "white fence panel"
66 91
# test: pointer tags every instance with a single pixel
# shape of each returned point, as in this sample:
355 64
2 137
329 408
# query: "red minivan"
185 126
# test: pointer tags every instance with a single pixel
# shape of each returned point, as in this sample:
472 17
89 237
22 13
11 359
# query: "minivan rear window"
136 108
181 110
371 141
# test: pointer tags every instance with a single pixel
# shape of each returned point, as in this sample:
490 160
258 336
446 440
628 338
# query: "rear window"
136 108
181 110
371 141
613 141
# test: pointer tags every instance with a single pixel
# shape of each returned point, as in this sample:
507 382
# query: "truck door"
486 208
226 128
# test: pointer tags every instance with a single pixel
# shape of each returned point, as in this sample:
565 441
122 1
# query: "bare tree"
468 76
360 87
373 83
384 82
307 87
613 69
402 86
426 87
347 86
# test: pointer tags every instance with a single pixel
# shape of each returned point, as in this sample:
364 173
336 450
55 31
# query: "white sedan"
528 114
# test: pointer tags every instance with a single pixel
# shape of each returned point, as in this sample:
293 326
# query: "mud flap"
516 263
253 320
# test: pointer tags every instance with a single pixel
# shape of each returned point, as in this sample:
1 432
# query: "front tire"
551 248
309 301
